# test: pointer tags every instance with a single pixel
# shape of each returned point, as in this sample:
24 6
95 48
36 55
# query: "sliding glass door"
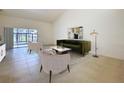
22 36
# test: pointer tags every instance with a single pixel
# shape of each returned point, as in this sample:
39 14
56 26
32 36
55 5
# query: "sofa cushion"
71 45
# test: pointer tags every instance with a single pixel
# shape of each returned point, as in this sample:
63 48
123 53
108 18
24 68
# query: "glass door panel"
23 36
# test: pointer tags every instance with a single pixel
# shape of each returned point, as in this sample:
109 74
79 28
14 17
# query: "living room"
52 25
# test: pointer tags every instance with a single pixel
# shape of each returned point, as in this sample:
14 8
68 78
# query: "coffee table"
61 50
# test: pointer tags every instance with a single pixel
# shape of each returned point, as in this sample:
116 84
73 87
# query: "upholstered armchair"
54 64
34 46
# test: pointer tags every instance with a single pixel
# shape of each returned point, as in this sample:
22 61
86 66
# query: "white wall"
44 29
108 23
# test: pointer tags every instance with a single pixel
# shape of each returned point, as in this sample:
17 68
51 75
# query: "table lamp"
94 34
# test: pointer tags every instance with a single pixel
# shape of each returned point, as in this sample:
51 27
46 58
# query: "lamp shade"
93 33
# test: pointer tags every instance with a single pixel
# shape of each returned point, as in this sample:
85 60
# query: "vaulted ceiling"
48 15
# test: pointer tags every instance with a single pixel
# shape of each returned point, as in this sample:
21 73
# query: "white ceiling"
48 15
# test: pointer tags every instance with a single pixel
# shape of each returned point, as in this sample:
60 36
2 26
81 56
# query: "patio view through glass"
22 36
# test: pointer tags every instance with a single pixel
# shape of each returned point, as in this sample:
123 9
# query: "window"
22 36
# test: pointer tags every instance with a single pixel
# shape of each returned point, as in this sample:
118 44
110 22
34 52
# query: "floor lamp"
94 34
0 38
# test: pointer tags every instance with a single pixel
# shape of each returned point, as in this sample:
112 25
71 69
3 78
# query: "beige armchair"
54 64
34 46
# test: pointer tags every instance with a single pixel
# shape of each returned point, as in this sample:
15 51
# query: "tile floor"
21 67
